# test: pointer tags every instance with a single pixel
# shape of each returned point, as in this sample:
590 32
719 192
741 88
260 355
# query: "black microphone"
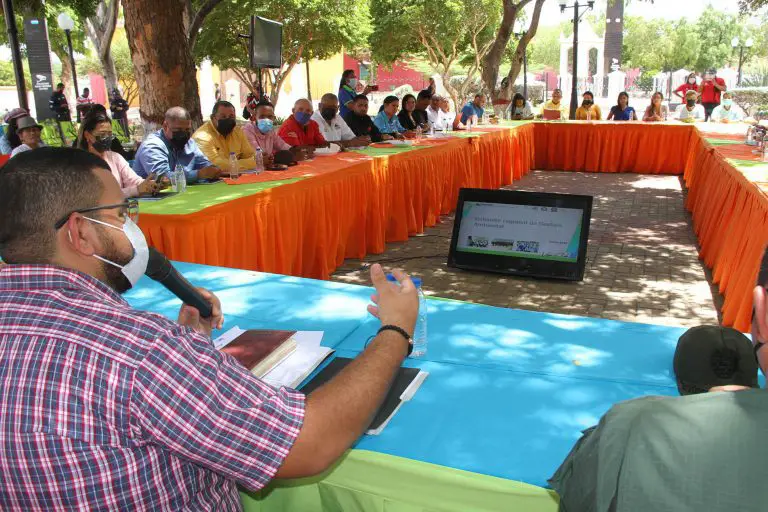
161 270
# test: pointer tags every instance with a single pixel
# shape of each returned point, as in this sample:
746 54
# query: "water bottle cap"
416 280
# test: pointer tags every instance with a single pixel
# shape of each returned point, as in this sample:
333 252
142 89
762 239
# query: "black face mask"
328 113
587 103
690 103
180 138
103 143
225 126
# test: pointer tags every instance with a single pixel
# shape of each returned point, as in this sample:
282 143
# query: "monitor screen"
266 43
527 233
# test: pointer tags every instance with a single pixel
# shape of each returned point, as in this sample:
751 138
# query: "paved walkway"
642 258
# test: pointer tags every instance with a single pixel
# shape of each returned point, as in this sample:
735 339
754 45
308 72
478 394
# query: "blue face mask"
265 125
302 117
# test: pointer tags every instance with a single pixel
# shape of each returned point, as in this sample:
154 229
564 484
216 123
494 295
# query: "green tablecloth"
198 197
373 482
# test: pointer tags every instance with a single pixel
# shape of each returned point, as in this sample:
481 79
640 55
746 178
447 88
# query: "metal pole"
13 39
741 62
72 59
574 89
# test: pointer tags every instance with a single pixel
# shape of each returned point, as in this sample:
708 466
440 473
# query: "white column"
564 58
205 88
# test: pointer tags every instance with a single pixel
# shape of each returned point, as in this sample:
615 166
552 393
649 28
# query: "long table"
508 394
305 222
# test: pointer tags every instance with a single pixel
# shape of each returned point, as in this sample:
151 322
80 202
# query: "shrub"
751 99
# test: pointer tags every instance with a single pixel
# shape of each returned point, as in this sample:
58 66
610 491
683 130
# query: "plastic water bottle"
420 333
431 130
179 179
234 168
470 122
259 161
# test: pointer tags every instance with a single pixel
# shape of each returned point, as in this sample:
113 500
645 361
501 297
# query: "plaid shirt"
106 407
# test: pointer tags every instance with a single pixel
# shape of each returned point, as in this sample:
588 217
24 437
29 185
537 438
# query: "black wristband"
401 332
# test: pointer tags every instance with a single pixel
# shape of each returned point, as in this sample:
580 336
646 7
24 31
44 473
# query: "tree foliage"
453 36
311 29
121 56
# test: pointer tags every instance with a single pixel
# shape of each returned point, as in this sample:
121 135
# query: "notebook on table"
406 383
260 351
551 115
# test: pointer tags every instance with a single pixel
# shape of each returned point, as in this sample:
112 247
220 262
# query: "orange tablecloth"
307 228
730 218
351 205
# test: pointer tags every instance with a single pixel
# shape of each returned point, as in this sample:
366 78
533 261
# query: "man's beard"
114 276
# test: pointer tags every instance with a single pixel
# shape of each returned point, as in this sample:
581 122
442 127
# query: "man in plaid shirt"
106 407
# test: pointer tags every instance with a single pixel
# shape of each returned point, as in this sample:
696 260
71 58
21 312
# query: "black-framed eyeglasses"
130 211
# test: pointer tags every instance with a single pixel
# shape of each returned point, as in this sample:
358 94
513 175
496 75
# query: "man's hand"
408 134
386 136
209 173
303 152
190 317
394 304
363 140
148 187
268 159
367 89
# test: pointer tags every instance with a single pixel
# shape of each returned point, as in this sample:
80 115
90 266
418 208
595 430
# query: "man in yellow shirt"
588 111
221 136
555 104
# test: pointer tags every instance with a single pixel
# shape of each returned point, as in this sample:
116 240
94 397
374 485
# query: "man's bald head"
302 105
177 119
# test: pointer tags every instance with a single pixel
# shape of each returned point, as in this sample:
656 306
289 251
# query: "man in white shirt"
435 115
727 111
690 112
333 127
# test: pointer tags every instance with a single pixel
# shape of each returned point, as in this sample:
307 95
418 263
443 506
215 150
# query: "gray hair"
329 96
177 114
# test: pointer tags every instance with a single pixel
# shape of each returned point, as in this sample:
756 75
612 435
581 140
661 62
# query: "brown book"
260 351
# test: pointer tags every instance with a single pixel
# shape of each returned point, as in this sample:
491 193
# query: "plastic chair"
50 133
119 133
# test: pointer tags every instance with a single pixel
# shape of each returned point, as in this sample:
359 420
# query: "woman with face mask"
588 111
97 139
348 91
689 85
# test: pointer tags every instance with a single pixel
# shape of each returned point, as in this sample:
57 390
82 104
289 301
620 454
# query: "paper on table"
297 367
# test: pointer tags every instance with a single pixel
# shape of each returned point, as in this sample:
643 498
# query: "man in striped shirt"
106 407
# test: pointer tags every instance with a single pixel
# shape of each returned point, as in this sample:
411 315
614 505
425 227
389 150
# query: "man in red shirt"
300 130
709 92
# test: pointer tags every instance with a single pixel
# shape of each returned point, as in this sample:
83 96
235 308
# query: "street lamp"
67 24
736 43
576 17
519 36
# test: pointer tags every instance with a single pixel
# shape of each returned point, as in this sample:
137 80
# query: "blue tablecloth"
509 391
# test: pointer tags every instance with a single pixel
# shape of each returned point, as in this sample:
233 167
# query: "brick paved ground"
642 257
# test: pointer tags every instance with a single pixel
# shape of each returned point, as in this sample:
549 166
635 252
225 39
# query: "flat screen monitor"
266 43
532 234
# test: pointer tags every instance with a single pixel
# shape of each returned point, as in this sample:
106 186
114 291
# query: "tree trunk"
66 79
162 60
110 73
100 29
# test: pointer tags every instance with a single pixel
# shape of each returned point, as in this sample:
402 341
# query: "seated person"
622 111
387 121
360 122
221 136
520 110
691 112
556 104
450 115
29 135
300 130
333 128
10 139
727 111
97 139
141 411
473 110
438 119
405 116
420 112
170 146
260 132
656 111
588 111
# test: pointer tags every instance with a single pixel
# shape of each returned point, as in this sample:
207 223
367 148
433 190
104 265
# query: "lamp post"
67 24
576 17
736 43
519 36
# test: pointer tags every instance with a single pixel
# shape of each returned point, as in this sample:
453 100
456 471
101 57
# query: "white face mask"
138 264
352 82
